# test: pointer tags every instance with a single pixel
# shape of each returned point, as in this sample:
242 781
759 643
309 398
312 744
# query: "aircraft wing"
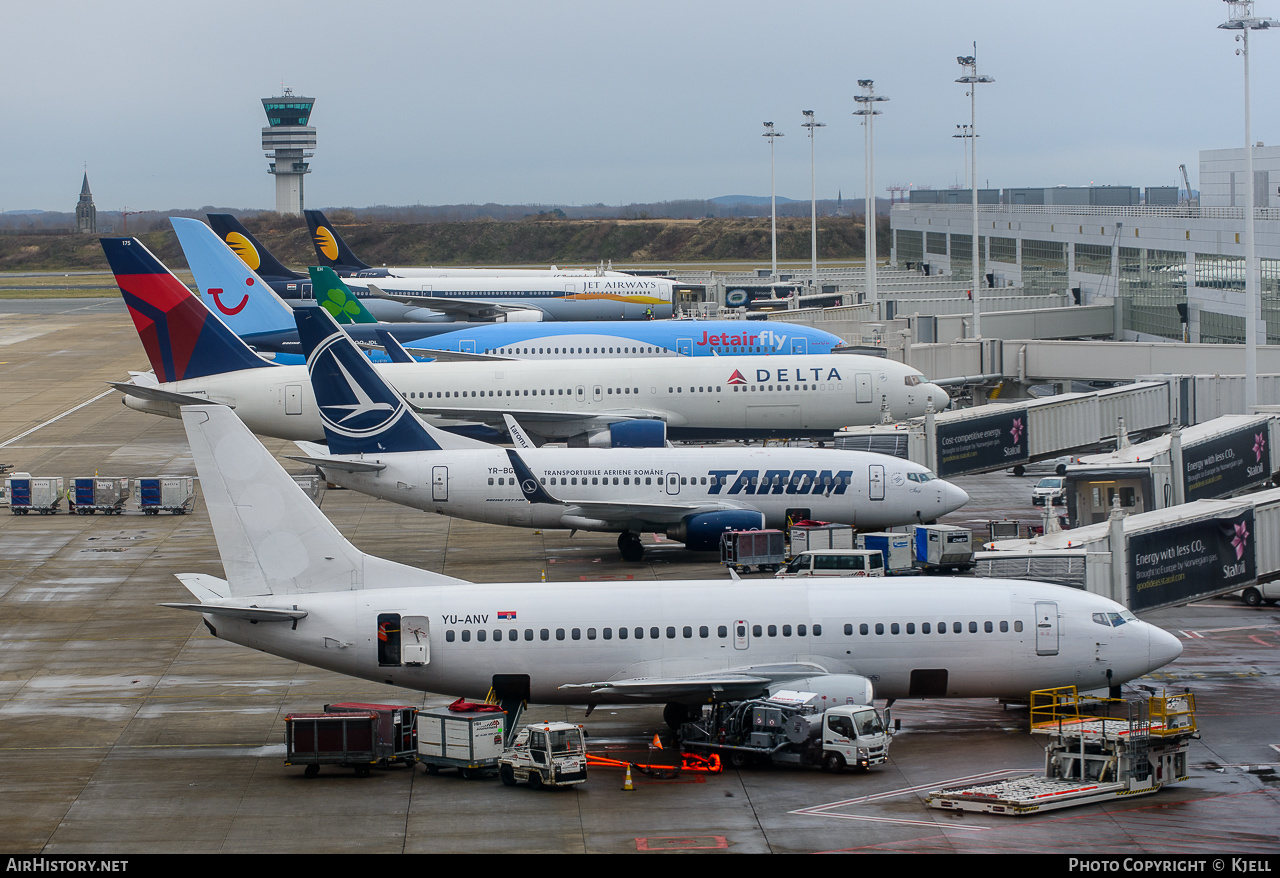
543 416
421 354
473 309
730 684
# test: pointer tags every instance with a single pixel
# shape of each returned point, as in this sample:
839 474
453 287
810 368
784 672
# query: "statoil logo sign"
983 443
1174 565
1226 464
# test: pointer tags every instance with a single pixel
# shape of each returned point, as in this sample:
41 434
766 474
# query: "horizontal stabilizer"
155 394
249 614
347 466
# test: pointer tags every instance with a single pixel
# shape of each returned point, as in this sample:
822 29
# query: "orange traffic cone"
627 786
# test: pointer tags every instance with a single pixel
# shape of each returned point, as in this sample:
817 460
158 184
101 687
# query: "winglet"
517 433
394 350
529 484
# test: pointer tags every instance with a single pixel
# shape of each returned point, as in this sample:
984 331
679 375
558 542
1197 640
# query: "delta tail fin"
331 250
229 287
360 412
336 297
182 338
272 538
246 246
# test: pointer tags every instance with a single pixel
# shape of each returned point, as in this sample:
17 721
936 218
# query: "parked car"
1050 490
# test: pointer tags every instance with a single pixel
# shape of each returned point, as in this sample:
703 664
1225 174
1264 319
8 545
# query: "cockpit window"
913 380
1114 620
921 477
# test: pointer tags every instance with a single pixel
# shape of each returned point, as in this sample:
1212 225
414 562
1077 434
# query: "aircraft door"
581 393
799 345
862 384
684 347
388 640
440 483
741 634
597 393
415 640
467 345
875 481
1046 628
293 399
673 483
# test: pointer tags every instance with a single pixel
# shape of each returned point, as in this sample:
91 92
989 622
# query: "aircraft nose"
953 496
939 396
1162 647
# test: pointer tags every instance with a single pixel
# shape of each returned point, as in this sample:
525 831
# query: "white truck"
545 755
1261 593
790 727
835 562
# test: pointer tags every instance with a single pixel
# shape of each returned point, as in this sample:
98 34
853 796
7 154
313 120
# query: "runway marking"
825 810
56 418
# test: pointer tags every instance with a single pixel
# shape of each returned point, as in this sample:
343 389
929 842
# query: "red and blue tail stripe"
182 338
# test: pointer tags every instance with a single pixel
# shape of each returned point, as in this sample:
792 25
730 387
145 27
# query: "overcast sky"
568 102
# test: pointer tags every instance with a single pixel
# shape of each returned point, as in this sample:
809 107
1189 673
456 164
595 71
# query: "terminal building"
1175 267
286 140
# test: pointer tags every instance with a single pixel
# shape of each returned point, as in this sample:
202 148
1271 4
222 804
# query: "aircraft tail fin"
331 250
229 287
395 351
336 297
182 338
360 412
246 246
272 538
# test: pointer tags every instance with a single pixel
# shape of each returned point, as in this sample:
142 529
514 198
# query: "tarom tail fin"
331 250
180 335
247 247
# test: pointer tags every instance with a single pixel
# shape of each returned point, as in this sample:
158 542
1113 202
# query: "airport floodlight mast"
1243 20
973 80
813 126
964 135
286 140
773 197
868 112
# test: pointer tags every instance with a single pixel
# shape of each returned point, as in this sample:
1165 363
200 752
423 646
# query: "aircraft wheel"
630 546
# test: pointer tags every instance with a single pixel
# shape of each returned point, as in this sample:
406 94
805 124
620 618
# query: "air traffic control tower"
286 141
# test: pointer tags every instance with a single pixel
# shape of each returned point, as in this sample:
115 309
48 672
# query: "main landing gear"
630 546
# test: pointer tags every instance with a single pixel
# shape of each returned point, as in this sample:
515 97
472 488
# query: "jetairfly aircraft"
605 402
333 252
377 446
296 588
242 300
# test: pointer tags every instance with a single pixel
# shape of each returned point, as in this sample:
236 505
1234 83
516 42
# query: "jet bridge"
1154 559
1004 435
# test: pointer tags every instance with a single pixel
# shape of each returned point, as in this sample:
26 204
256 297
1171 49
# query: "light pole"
773 198
868 112
964 140
1243 20
972 79
813 195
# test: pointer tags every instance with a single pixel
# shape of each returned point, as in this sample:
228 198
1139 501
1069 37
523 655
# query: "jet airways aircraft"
377 446
243 300
296 588
196 358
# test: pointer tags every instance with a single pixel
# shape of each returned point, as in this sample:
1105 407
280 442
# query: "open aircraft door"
415 640
1046 628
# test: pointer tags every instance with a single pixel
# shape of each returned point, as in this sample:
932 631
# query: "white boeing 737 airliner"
296 588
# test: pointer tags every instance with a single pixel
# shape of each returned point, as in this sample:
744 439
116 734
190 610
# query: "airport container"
469 740
820 535
942 547
105 494
156 494
895 547
29 493
345 739
766 550
397 738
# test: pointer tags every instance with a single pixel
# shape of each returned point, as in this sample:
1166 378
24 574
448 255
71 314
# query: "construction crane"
1185 182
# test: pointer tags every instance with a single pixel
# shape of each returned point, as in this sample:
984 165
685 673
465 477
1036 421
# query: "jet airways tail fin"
246 246
360 412
182 338
336 297
331 250
272 538
229 287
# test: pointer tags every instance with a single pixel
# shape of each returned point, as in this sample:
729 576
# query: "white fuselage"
697 397
911 636
869 491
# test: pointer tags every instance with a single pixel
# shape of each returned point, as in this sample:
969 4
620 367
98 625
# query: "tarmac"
126 729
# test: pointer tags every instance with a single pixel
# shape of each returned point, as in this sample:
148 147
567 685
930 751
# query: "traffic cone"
627 786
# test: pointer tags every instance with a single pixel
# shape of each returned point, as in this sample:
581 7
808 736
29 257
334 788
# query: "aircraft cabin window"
466 635
622 633
756 630
911 627
653 634
544 634
559 634
973 627
1004 627
987 627
687 631
893 628
671 632
448 637
576 633
723 631
480 635
817 630
879 628
773 630
704 632
786 630
957 628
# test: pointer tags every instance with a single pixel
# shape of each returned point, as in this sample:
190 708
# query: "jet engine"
639 433
701 533
832 689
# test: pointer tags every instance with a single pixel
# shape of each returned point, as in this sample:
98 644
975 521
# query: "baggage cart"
175 494
469 739
28 493
896 549
397 740
103 494
766 550
806 535
346 739
940 547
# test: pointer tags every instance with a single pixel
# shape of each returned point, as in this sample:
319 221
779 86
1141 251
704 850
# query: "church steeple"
86 213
